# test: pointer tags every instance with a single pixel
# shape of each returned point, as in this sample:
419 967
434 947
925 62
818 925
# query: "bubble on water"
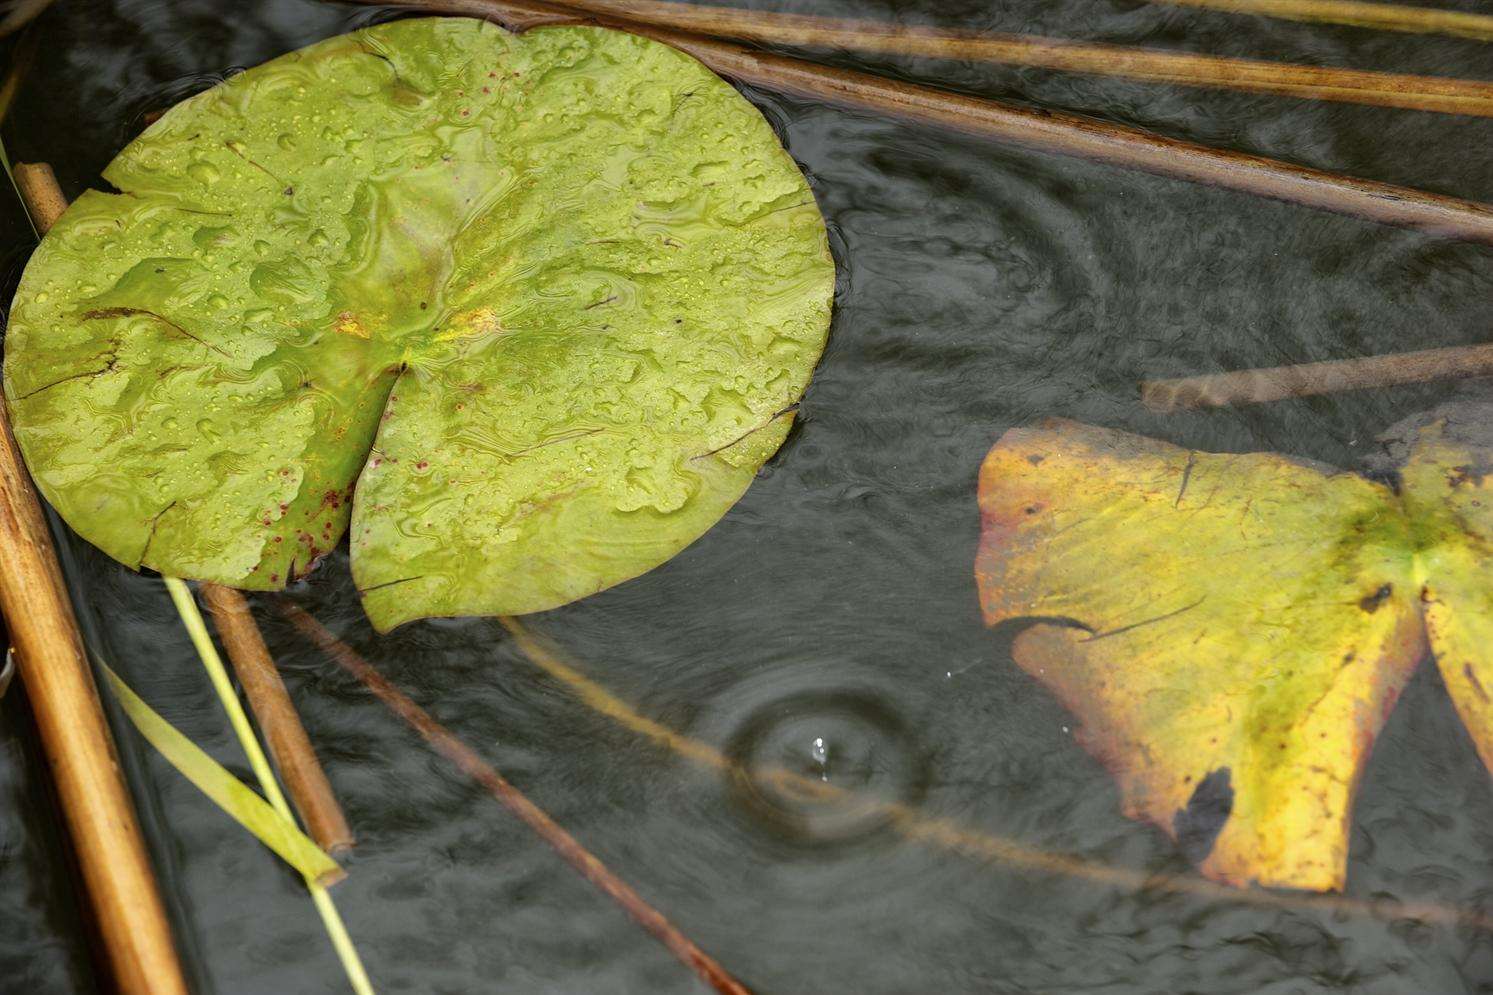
825 766
820 753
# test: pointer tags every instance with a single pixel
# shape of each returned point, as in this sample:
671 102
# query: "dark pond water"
829 624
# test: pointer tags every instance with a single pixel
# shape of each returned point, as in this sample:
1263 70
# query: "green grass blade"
229 793
191 617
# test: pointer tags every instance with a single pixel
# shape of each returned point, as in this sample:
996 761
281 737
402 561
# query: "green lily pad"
527 311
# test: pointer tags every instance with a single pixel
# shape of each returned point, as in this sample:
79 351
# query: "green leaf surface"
526 312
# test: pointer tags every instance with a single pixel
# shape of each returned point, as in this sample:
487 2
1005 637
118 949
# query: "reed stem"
295 758
446 743
1046 131
1359 14
37 185
59 682
1275 383
1422 93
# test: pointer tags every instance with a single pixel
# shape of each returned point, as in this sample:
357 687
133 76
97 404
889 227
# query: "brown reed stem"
38 187
1422 93
1276 383
1359 14
1047 131
54 670
444 742
291 748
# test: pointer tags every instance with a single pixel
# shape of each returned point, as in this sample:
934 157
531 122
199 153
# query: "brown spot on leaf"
1477 685
1461 476
347 323
1371 602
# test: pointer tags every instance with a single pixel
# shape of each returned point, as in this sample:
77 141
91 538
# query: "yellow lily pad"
1233 630
1448 495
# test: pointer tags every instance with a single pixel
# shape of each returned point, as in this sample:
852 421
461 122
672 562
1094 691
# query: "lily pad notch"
524 313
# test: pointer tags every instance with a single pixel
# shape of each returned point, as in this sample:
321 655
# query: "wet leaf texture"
526 313
1233 630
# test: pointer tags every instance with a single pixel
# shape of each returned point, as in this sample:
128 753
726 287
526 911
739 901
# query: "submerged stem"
446 743
916 826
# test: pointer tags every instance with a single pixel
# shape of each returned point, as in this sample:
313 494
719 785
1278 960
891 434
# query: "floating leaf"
529 311
1244 625
1448 456
1233 630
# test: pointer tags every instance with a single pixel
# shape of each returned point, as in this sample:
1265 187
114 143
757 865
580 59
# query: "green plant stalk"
196 627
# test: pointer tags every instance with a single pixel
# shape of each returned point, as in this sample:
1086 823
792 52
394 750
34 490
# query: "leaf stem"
237 799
